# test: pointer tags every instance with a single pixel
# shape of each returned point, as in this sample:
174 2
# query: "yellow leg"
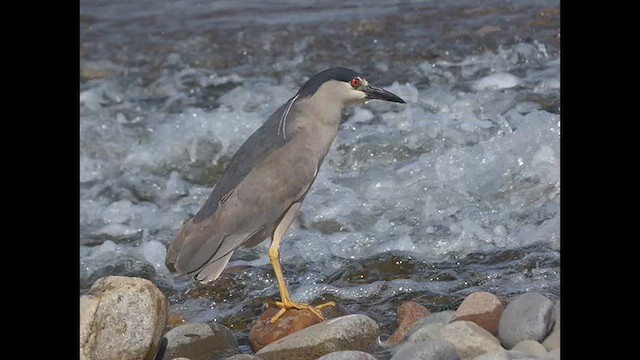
274 257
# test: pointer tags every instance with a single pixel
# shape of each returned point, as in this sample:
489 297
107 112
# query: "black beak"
378 93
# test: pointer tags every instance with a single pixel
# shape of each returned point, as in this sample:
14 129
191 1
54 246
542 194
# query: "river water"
454 192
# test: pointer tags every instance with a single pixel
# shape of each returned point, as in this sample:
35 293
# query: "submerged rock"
351 332
408 314
482 308
121 318
200 342
527 317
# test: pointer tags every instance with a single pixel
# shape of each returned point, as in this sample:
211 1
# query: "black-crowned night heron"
264 184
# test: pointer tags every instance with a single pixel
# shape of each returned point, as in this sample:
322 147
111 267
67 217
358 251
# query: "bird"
263 186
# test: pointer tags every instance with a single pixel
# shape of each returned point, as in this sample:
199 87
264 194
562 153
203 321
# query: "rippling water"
454 192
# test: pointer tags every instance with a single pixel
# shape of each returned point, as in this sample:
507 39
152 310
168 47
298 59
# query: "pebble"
526 317
347 355
530 347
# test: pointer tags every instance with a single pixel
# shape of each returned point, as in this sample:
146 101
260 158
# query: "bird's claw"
286 305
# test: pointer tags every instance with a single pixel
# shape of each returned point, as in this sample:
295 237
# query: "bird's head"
344 85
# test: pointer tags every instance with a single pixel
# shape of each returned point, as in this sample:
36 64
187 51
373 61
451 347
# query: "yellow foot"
286 305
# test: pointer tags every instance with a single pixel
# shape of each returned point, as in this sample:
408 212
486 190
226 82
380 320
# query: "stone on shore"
430 349
200 342
470 339
527 317
347 355
482 308
264 332
121 318
351 332
408 314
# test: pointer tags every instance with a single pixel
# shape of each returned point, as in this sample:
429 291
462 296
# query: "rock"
527 317
264 332
428 350
426 332
482 308
351 332
530 347
553 355
347 355
506 355
470 339
121 318
243 357
200 342
443 317
553 340
181 358
408 314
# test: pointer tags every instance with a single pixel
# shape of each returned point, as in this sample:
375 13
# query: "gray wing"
260 144
246 202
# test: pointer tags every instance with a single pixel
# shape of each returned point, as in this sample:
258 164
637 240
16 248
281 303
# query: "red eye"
355 82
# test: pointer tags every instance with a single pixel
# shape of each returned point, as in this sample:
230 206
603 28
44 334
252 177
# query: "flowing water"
454 192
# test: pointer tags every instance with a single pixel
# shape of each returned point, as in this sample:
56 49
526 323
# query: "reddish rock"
408 313
481 308
264 332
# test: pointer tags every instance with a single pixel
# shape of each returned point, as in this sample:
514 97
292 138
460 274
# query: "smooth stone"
122 318
263 332
470 339
429 349
530 347
347 355
200 342
506 355
243 357
527 317
408 314
482 308
426 332
552 341
351 332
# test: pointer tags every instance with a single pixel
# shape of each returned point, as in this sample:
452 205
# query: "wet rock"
348 355
530 347
553 355
200 342
264 332
408 314
482 308
428 350
121 318
553 339
506 355
527 317
426 332
443 317
351 332
243 357
470 339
